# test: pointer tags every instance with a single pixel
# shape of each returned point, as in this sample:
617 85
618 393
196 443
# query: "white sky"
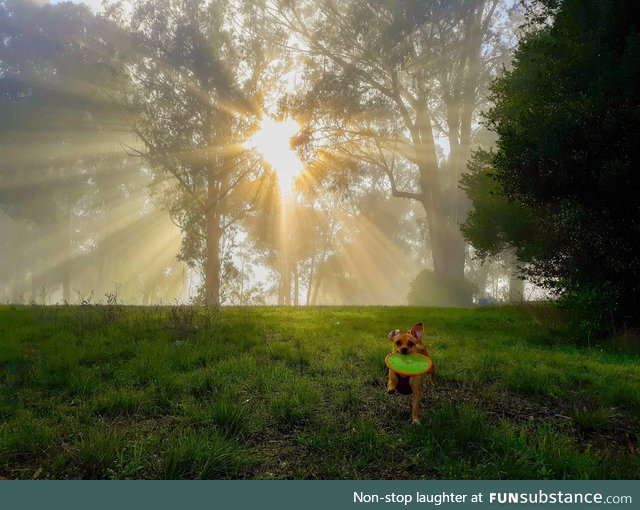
95 5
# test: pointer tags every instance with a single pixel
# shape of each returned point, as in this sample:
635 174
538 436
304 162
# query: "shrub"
427 289
591 311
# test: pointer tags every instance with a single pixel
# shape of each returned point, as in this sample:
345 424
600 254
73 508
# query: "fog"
143 157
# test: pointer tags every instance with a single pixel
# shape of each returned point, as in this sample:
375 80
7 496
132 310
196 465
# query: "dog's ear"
417 331
393 333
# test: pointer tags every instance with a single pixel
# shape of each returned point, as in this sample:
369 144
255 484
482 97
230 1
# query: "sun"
272 140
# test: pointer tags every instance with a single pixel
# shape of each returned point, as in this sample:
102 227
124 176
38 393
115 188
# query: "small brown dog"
407 343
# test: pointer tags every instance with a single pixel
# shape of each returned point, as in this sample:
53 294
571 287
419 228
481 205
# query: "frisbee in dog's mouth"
408 364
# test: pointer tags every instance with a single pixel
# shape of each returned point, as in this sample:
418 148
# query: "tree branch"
158 159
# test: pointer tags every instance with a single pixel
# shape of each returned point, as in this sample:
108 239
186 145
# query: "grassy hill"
184 392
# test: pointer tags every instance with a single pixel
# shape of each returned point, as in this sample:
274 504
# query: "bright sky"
95 5
273 140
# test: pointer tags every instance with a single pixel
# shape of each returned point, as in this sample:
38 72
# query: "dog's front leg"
392 382
416 395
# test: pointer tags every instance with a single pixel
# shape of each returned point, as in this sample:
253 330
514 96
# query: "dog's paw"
415 422
391 390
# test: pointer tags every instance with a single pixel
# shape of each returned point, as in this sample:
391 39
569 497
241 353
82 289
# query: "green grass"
181 392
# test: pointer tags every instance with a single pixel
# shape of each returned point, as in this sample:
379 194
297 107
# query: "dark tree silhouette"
561 186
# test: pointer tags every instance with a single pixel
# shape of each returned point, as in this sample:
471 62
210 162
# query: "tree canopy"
561 186
197 75
388 85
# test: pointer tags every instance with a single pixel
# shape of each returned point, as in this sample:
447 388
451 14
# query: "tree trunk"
284 294
447 247
316 289
481 279
103 255
440 203
310 281
516 289
287 289
212 272
296 286
212 264
66 263
281 289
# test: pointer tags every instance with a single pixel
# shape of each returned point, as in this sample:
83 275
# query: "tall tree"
389 82
198 76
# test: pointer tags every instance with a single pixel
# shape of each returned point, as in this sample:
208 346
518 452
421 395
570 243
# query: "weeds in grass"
350 402
98 450
593 418
302 359
182 322
131 462
24 438
82 383
293 406
119 402
223 416
112 309
185 321
368 442
451 431
228 418
202 385
198 457
84 321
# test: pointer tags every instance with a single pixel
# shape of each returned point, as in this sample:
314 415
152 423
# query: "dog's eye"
410 344
398 342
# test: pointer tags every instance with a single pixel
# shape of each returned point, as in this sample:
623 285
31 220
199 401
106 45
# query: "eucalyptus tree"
322 243
198 77
390 84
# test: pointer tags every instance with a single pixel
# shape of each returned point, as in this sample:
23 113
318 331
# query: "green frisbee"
408 364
